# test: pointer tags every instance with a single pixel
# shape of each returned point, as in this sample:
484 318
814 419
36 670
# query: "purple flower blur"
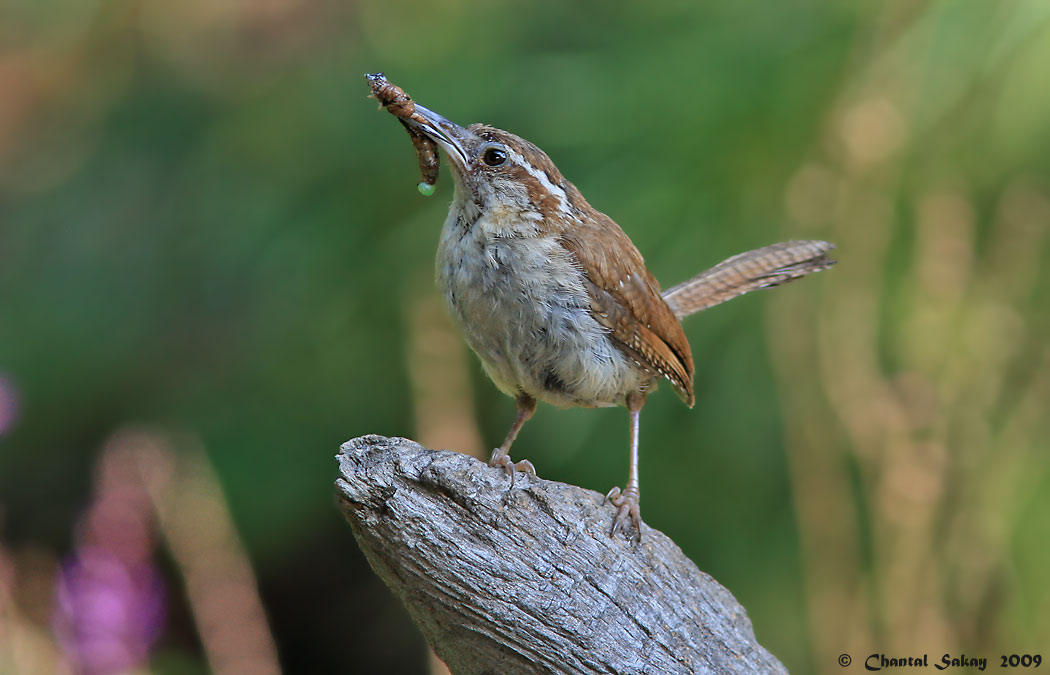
109 600
8 404
109 612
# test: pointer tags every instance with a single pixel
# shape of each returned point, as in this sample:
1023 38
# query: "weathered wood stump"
528 580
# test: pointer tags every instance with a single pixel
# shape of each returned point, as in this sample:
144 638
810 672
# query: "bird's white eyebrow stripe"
544 179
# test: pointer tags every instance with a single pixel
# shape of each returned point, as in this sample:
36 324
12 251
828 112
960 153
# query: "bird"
551 294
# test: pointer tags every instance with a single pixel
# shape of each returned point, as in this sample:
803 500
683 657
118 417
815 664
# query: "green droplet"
426 189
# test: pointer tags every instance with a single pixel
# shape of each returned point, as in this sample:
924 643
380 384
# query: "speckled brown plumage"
625 298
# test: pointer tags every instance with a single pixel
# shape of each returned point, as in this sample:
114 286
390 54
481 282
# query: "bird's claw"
626 502
501 458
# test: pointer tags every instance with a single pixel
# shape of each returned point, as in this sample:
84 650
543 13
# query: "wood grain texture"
529 580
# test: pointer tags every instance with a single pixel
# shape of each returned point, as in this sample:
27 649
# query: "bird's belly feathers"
524 309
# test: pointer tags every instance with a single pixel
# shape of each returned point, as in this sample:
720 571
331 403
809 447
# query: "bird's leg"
501 455
627 499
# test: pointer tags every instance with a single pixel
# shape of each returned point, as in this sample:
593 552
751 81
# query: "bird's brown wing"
625 298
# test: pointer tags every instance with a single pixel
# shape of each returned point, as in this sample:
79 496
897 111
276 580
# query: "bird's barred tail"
762 268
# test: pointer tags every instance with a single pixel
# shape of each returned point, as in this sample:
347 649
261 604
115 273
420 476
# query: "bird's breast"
522 303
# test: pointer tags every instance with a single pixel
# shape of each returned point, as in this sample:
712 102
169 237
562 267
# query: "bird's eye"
494 156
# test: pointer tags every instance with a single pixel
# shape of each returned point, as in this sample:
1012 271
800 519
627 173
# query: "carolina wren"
552 295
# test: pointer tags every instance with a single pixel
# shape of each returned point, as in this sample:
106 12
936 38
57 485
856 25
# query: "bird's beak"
454 139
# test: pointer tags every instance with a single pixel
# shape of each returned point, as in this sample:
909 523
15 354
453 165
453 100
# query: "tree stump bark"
528 580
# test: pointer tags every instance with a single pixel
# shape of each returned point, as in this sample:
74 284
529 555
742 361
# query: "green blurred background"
208 232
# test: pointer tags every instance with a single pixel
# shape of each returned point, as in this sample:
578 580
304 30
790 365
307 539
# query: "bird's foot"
501 457
626 502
